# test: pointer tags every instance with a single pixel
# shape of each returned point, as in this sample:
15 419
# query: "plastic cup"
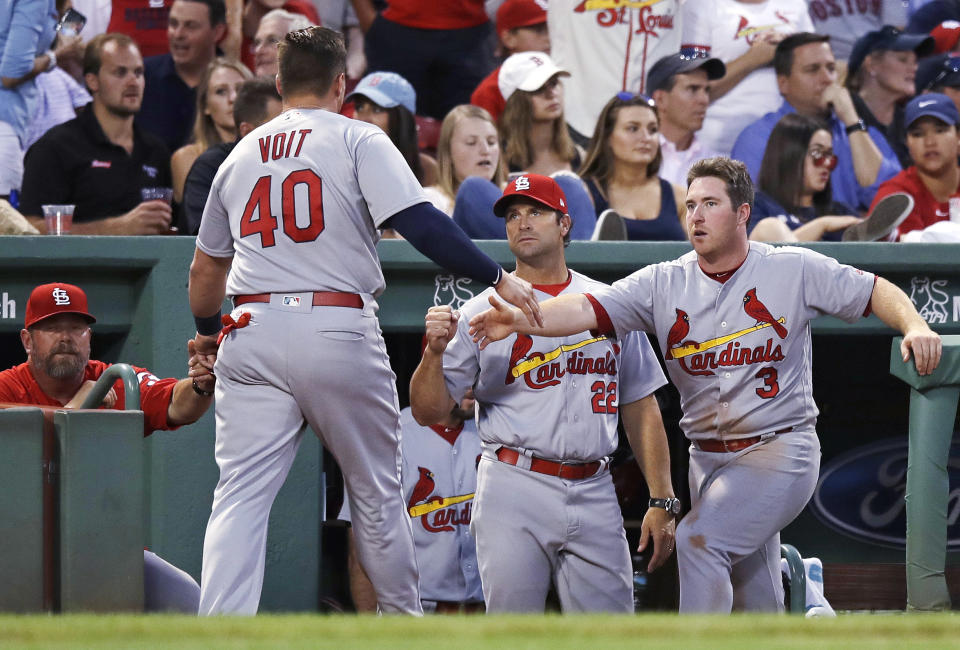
156 194
59 218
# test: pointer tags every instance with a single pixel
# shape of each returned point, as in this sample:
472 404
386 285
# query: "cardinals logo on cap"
522 183
60 296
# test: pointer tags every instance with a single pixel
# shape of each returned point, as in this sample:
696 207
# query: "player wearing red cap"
59 372
545 509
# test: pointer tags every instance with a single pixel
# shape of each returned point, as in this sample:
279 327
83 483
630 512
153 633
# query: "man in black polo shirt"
99 161
169 103
257 102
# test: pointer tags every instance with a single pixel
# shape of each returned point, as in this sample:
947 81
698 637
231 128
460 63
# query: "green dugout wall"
138 292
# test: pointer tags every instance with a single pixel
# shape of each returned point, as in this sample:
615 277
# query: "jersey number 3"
770 386
257 218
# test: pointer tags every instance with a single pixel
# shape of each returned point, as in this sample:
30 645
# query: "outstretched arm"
563 315
648 440
893 307
430 400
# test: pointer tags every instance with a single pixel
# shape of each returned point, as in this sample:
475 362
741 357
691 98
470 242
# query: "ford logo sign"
860 494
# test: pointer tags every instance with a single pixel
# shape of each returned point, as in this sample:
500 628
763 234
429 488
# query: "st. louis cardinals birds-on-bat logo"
758 311
421 504
678 332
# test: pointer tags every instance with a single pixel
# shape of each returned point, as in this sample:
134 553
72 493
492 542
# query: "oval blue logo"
860 493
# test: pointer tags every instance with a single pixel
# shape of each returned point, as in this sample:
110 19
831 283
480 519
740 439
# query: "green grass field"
462 633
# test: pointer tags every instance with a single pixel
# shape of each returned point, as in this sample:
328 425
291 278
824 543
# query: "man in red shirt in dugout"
59 373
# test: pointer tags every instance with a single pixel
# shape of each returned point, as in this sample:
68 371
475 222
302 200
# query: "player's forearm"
208 278
648 440
562 316
186 405
894 308
430 400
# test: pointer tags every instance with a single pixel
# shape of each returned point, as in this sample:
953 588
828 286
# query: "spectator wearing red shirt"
59 372
442 48
934 178
522 27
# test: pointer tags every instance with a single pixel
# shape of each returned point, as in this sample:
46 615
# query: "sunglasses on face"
626 96
824 159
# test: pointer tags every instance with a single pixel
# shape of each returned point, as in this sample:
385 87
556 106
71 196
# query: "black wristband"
859 125
199 391
209 325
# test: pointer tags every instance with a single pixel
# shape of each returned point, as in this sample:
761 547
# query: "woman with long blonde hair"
214 121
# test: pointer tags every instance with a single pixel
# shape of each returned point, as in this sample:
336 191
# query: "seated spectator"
940 74
680 87
101 160
387 100
468 146
170 97
216 94
881 76
257 102
26 31
844 23
442 48
744 35
621 169
522 27
793 200
254 11
274 25
933 181
59 373
807 79
533 131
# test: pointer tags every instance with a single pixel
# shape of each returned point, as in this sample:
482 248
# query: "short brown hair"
93 54
310 60
733 173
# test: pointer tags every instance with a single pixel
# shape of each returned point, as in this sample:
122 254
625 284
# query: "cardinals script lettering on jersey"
733 355
444 520
280 145
548 368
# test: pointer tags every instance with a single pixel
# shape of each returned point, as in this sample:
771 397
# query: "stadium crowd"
832 106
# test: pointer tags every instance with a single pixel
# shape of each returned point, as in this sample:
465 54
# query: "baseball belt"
571 471
726 446
320 299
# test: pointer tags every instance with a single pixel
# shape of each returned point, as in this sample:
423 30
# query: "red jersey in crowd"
145 21
17 386
487 95
451 14
926 209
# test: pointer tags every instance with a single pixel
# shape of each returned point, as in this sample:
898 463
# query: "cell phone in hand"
71 23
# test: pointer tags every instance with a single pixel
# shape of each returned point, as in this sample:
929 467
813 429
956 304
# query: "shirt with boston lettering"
18 386
298 202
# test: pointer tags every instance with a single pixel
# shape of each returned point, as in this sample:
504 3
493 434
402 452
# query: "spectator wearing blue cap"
940 74
933 181
387 100
881 76
807 79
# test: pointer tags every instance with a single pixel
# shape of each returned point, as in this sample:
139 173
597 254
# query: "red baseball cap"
56 298
520 13
541 189
946 35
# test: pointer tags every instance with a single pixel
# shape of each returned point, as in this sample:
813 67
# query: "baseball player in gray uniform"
545 509
439 481
289 232
733 321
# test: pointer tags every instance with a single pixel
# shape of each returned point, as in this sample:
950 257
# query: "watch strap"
859 125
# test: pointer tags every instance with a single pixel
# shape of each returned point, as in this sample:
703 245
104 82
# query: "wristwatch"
671 505
859 125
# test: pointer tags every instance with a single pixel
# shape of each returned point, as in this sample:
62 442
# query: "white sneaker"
610 227
882 220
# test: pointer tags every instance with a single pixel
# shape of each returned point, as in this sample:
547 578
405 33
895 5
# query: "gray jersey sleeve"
629 302
830 287
640 371
387 184
214 237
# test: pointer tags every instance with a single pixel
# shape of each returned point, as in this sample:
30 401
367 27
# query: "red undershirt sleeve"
604 326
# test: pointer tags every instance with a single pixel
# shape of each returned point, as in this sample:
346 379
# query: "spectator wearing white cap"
881 75
680 87
522 27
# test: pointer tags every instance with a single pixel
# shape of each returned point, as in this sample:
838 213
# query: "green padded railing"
798 579
131 387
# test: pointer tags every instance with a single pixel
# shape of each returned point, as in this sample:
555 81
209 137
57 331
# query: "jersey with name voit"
298 202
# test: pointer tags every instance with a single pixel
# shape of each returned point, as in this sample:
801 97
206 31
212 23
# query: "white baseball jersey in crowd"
725 29
844 21
439 480
297 205
553 398
740 354
606 49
